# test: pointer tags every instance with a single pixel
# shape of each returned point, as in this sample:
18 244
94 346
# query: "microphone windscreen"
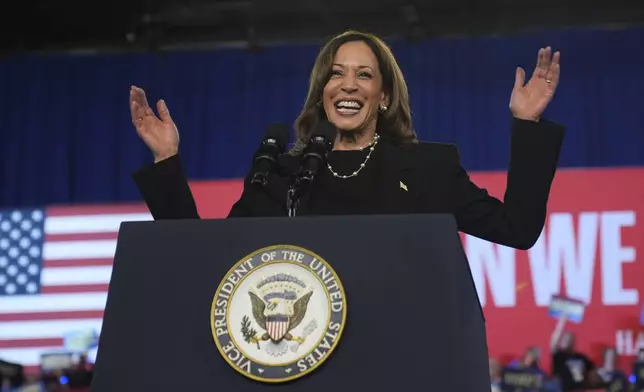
325 130
279 132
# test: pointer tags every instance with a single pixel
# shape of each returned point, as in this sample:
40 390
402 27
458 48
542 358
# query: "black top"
331 195
571 369
398 179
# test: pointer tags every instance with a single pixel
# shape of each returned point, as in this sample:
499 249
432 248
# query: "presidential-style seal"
278 313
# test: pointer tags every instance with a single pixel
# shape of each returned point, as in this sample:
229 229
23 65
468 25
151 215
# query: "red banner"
587 251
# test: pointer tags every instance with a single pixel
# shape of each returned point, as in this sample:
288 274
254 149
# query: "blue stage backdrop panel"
67 135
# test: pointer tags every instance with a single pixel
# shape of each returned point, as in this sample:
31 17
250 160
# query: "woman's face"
567 342
530 358
353 94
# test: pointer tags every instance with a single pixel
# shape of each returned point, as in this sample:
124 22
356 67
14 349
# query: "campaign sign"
571 308
521 380
60 361
80 340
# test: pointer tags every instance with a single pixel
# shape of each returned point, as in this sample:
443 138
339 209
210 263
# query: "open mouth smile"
347 107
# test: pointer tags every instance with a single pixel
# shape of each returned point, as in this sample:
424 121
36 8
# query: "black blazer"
434 178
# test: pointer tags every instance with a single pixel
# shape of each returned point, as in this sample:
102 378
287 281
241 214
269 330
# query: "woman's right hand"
160 135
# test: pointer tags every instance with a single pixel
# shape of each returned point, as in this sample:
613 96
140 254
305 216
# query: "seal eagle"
276 319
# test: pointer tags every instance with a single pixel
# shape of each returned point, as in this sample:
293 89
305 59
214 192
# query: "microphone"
265 159
314 155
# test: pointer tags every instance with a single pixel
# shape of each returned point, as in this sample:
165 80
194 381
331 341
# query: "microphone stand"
299 184
292 201
295 190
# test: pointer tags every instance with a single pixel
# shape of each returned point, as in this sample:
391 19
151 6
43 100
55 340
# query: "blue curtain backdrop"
66 134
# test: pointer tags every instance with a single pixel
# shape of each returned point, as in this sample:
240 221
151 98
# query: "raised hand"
528 101
159 134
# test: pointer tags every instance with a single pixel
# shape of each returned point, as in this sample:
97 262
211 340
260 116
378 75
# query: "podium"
379 303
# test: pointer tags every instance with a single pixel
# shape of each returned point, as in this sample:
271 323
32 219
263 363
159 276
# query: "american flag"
55 267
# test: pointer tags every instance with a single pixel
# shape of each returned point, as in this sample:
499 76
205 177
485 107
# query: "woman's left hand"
528 101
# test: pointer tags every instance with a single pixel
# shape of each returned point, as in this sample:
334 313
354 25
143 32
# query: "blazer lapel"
399 187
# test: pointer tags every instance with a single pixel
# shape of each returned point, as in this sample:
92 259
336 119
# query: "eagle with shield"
279 304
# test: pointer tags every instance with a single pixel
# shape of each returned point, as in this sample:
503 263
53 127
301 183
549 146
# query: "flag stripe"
136 208
104 223
78 263
32 370
81 237
45 329
79 288
75 275
71 315
52 303
91 249
15 343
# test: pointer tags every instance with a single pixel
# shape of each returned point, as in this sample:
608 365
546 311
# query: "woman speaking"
377 165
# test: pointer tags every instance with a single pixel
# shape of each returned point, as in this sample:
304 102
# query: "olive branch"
248 331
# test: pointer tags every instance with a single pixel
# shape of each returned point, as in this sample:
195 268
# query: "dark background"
77 24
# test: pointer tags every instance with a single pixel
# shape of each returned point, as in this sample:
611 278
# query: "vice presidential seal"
278 313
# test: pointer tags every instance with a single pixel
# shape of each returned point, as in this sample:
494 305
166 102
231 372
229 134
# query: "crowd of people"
571 370
76 378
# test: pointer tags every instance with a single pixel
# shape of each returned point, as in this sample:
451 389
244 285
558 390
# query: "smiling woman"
377 165
353 94
358 83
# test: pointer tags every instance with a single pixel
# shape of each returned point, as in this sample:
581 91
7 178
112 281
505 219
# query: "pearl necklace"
371 146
